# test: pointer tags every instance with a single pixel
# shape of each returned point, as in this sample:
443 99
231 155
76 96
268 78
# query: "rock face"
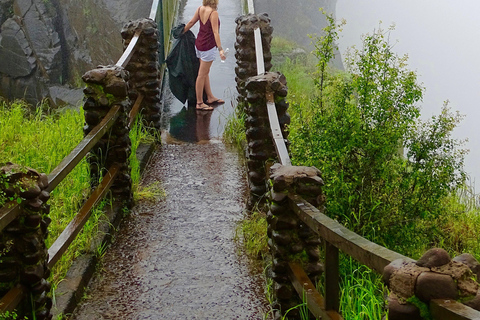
50 43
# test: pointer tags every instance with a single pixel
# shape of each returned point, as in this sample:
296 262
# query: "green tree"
355 130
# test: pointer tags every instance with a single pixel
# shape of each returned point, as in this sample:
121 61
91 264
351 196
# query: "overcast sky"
442 39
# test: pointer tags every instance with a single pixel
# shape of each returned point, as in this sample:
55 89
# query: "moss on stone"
422 306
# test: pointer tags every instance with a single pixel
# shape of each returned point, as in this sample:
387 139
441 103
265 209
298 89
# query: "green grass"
252 233
234 131
40 142
362 292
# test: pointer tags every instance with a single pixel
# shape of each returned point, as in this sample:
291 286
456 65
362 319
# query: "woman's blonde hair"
211 3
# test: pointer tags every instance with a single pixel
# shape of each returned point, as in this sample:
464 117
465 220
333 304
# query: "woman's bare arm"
216 34
192 22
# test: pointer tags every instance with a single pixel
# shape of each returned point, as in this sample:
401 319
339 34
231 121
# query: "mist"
441 39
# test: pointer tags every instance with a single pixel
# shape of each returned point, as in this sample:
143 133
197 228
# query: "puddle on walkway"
181 121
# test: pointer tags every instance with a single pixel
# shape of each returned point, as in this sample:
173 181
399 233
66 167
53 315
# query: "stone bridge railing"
114 95
297 226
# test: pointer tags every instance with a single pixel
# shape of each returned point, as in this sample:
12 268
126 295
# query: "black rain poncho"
183 65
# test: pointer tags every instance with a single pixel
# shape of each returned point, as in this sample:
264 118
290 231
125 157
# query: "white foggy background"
442 40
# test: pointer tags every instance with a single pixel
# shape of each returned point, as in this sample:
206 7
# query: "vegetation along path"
176 258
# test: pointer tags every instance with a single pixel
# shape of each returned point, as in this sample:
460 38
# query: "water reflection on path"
180 120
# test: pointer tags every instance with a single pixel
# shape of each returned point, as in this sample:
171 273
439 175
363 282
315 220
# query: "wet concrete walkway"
177 258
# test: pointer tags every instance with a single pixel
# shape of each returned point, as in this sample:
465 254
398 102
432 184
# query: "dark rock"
285 222
313 253
33 221
65 96
44 196
279 277
398 311
314 241
470 261
8 275
434 258
279 210
43 181
283 291
282 238
314 268
33 274
474 303
432 285
391 268
280 266
29 189
35 204
296 248
278 196
16 56
32 258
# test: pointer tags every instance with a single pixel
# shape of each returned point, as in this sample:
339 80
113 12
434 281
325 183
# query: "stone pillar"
260 147
434 276
145 77
105 88
289 239
23 253
245 49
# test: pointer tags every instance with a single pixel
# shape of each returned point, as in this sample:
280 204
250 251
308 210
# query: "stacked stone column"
289 239
23 253
245 48
107 87
260 147
144 69
413 284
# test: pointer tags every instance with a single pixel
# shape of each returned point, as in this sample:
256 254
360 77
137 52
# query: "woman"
206 46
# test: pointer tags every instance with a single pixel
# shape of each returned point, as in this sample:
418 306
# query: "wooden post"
332 285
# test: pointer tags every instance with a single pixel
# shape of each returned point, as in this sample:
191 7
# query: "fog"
441 39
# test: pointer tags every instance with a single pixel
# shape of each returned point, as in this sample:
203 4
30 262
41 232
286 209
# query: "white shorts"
208 55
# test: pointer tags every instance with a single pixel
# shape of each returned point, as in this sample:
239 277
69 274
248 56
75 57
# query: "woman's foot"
203 106
215 101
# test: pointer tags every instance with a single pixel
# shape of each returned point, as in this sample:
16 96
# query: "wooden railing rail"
135 110
81 150
128 53
9 212
69 234
364 251
12 210
336 237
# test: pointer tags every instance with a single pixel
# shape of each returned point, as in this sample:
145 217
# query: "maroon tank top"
205 38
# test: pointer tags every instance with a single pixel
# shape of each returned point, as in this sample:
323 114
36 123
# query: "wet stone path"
176 259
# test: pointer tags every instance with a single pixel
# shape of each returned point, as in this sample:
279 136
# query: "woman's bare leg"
208 90
201 80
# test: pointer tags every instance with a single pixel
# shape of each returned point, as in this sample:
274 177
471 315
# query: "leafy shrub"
355 128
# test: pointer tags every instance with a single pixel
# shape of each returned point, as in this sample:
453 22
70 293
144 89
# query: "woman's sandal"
217 101
203 106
